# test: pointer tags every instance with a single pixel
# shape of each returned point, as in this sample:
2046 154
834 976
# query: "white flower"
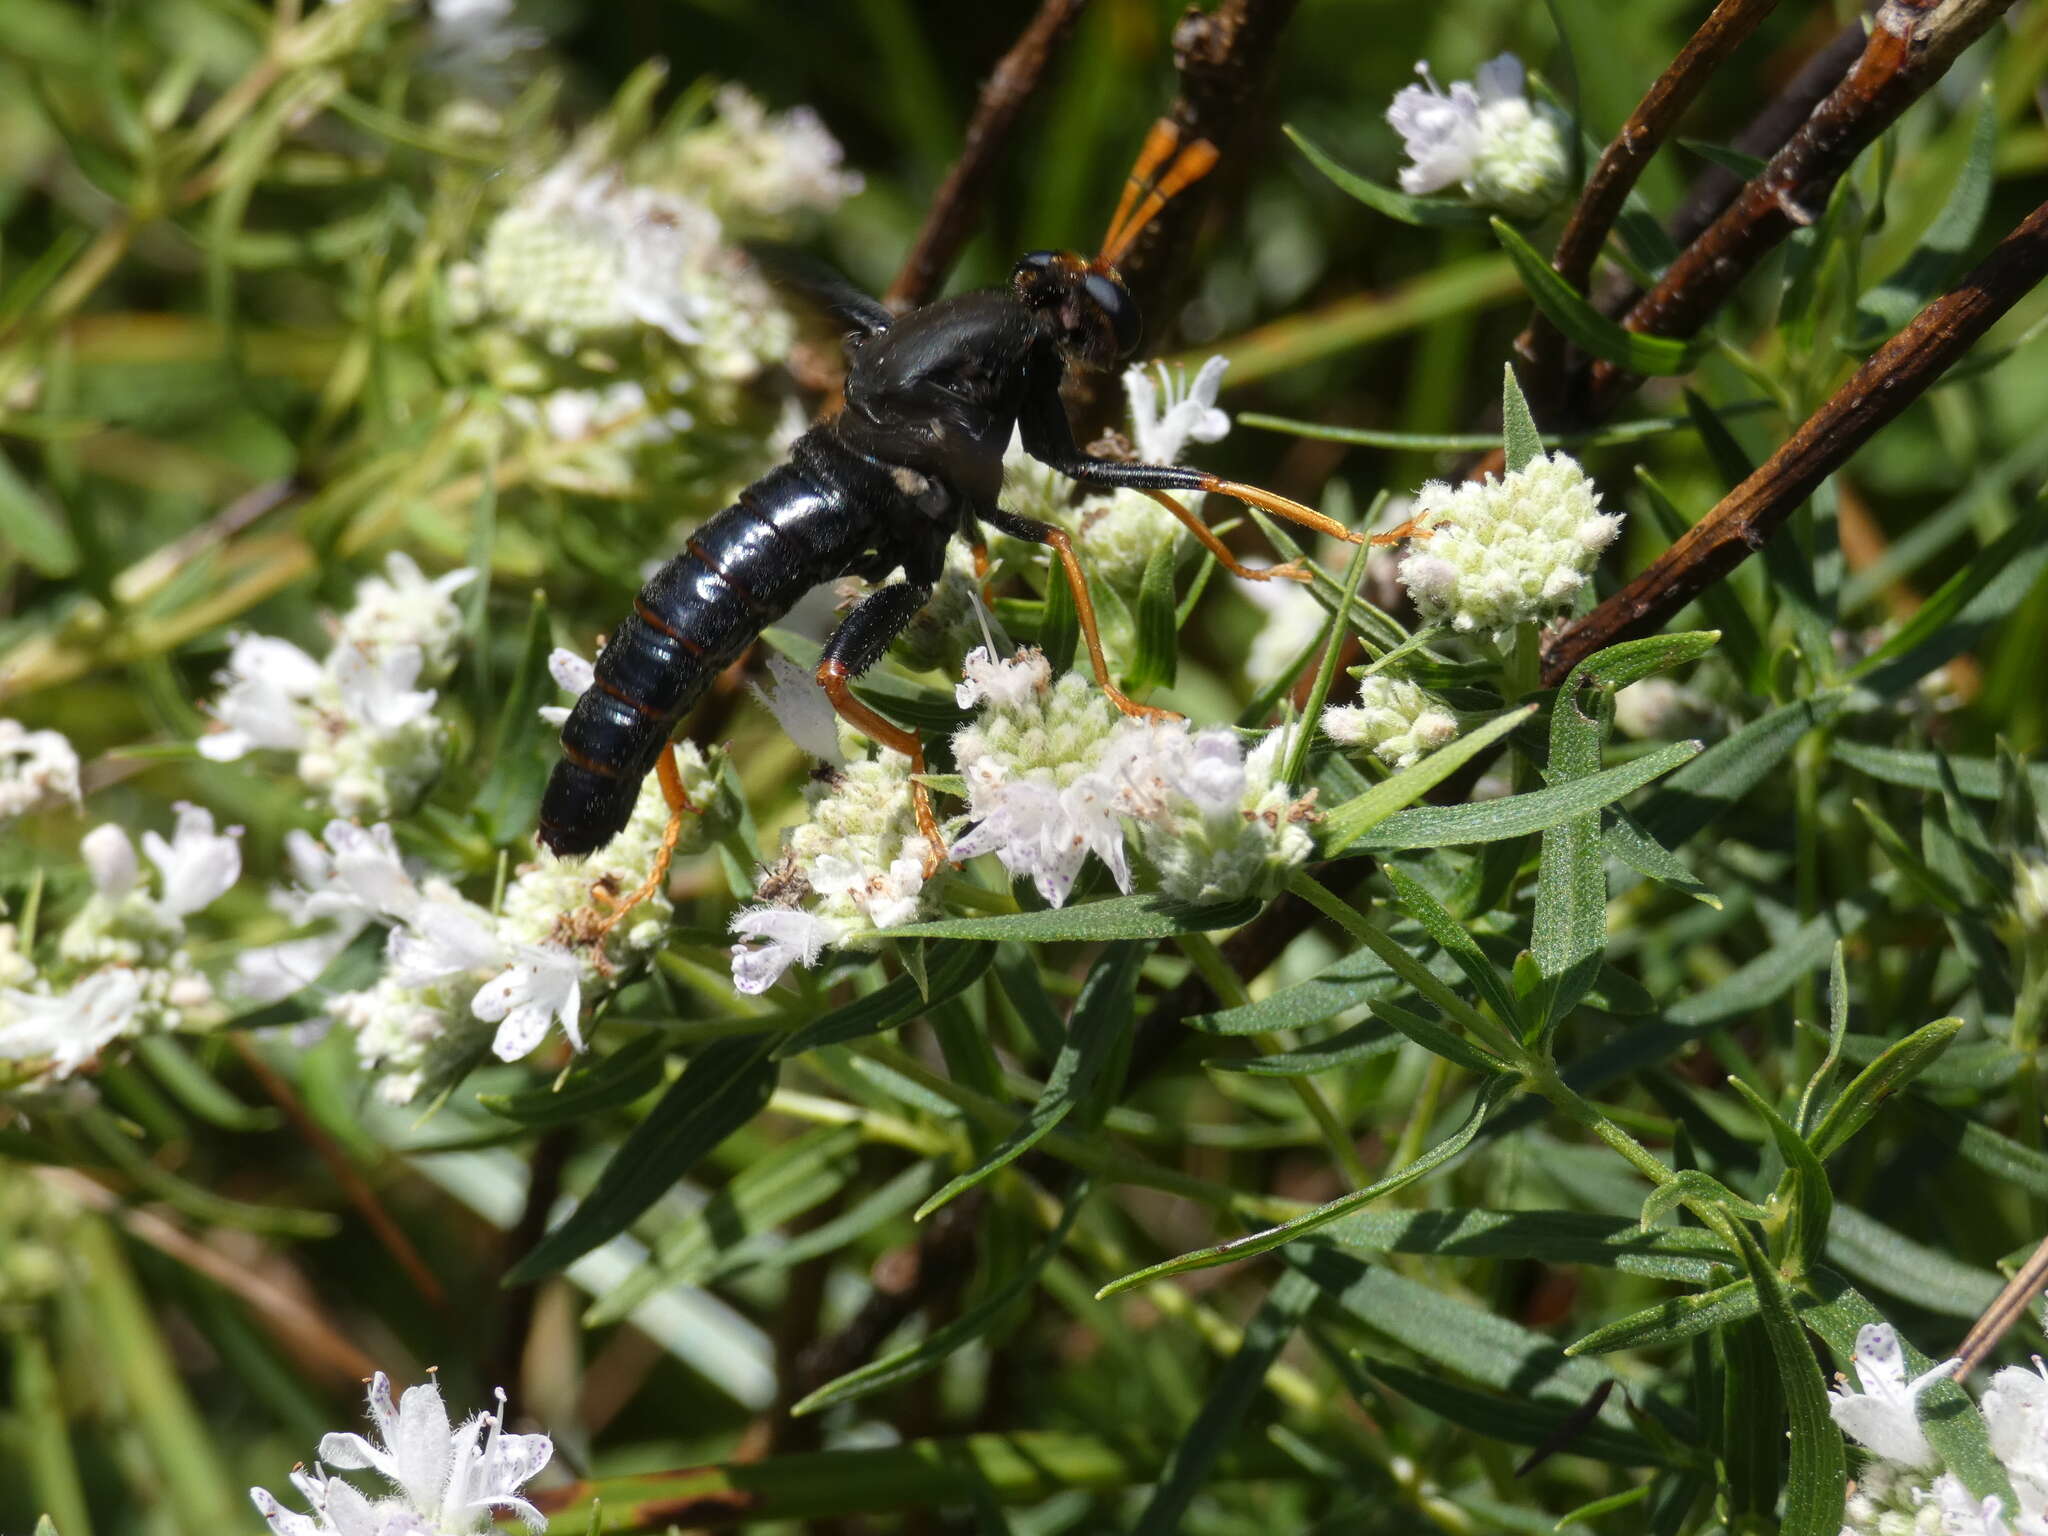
1884 1416
1014 686
544 984
1504 552
402 608
2015 1408
1504 151
197 866
760 169
38 769
68 1029
573 675
1190 414
445 937
800 707
447 1481
786 937
268 682
110 860
1395 720
1225 823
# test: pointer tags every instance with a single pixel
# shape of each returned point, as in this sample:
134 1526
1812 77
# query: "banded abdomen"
797 526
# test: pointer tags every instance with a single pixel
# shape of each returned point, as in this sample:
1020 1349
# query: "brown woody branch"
1897 375
1912 43
1624 160
957 205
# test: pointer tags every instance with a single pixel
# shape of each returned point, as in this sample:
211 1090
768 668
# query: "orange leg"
838 685
1280 506
1160 141
1292 571
678 800
1084 607
1408 530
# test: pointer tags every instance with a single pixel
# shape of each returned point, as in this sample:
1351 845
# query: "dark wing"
822 284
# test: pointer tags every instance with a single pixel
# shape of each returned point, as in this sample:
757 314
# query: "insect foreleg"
1292 571
1084 606
855 646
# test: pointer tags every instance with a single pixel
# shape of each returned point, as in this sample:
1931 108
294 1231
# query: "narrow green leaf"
1639 430
1491 1093
1752 1421
1981 1147
1813 1202
724 1086
1437 212
1720 602
1691 1254
1119 917
1334 636
1223 1411
36 533
1102 1014
1776 971
1748 167
517 761
1625 840
1568 310
1456 941
1490 821
1953 618
1155 656
607 1083
1512 1418
1059 631
1672 1320
1436 1039
198 1090
1521 443
738 1223
1889 1261
1877 1082
950 969
1350 821
1936 260
1817 1477
1838 1029
1344 983
932 1350
1729 769
1359 1043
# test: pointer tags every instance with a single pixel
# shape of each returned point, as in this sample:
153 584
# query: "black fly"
915 457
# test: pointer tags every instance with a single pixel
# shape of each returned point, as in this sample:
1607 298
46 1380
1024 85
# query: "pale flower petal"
543 985
197 865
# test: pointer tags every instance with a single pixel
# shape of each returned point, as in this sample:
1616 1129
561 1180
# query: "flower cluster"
1486 138
38 769
754 169
1494 554
1053 774
445 1480
362 721
121 966
1903 1491
1394 720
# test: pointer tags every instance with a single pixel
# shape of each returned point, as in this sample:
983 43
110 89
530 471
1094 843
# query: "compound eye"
1111 298
1035 263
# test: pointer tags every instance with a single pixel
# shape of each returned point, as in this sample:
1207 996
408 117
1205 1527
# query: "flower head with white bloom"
758 169
38 769
1486 138
798 703
444 1480
1493 554
1224 823
361 722
1884 1415
1393 719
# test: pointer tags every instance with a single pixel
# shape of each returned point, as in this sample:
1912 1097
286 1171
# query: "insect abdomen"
743 569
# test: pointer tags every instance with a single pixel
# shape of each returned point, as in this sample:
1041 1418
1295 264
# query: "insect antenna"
1144 195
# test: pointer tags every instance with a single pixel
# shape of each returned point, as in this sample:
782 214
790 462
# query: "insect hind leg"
670 773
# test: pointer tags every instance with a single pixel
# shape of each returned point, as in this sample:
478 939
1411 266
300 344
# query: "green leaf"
1223 1410
1343 983
1359 1043
950 969
1838 1029
1976 777
1748 167
932 1350
1938 257
1491 821
1334 635
1521 443
1877 1082
517 762
1429 212
1952 620
1456 941
1102 1015
738 1223
1350 821
724 1086
1625 840
603 1084
1720 602
1813 1202
1491 1093
1729 769
196 1089
1156 655
1568 310
1639 430
1437 1039
1672 1320
1059 630
1691 1254
1926 1277
1512 1418
1119 917
37 534
1752 1425
1817 1477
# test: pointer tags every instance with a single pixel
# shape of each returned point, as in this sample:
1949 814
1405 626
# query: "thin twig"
1624 160
1912 43
2010 1306
1222 57
353 1185
1891 380
957 205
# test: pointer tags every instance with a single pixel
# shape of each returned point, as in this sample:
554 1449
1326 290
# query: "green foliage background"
277 324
